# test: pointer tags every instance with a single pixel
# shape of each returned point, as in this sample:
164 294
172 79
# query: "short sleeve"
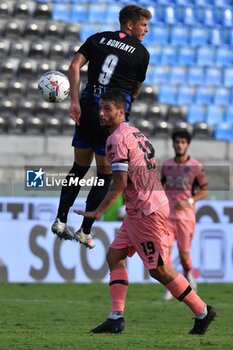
201 176
117 151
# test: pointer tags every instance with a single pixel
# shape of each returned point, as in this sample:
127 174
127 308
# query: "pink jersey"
129 150
182 180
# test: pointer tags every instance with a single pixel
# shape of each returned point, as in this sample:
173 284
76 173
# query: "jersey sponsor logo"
122 35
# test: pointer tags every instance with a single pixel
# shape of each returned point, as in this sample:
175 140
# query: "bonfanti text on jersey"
92 181
118 44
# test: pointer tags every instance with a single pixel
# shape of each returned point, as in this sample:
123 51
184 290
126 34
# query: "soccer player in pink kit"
144 229
184 181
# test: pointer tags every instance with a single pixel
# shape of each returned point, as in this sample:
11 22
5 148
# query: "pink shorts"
147 236
182 231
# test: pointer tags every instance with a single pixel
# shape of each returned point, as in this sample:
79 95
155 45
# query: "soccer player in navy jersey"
116 59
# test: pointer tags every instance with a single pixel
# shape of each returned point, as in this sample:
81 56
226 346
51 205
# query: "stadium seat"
205 56
112 13
44 108
195 75
202 3
61 12
162 129
32 88
79 13
19 48
189 15
155 54
185 95
63 66
97 13
38 49
207 16
222 96
26 106
24 9
139 109
6 9
182 2
213 76
157 111
158 13
44 66
224 56
8 106
4 47
3 88
158 35
68 126
27 68
199 36
4 124
214 115
43 11
58 50
146 126
203 131
228 77
147 93
87 30
16 88
221 3
204 95
228 117
186 56
224 131
72 49
168 55
177 75
174 114
34 125
229 36
160 74
34 29
179 35
227 17
170 16
168 94
53 125
183 125
54 30
196 113
62 110
17 124
217 37
71 32
9 68
14 28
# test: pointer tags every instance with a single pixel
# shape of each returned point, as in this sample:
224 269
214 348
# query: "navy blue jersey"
116 60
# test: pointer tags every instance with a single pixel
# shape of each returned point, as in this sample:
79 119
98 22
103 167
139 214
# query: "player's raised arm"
74 77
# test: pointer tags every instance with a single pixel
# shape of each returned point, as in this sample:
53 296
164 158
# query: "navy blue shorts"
89 134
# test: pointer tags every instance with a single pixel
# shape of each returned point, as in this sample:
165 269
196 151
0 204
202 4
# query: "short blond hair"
133 13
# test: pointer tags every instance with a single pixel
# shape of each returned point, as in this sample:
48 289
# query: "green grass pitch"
59 316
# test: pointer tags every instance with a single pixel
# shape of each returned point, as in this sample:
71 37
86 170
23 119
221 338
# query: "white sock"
114 315
202 314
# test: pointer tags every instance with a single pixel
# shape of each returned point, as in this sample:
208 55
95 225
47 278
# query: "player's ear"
129 25
122 113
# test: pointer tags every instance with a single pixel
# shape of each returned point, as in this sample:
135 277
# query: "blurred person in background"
185 183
